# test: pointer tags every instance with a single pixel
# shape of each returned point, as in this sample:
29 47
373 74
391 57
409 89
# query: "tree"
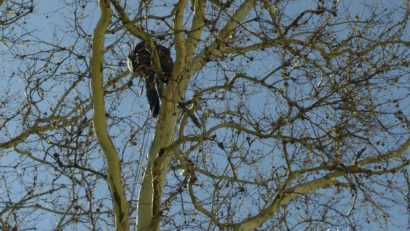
301 115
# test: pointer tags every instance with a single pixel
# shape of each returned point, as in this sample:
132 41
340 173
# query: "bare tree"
278 115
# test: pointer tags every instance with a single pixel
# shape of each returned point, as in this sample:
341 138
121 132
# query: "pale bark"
164 133
114 178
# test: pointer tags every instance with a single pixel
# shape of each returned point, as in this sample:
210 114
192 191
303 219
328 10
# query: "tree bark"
114 177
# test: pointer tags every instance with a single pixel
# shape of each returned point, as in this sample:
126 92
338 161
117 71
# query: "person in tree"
140 63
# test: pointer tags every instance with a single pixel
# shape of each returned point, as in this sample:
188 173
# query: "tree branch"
226 31
114 178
